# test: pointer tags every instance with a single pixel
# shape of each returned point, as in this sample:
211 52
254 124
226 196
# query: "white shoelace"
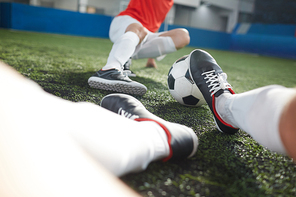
217 81
127 114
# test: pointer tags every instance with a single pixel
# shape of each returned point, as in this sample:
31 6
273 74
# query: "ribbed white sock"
258 112
160 141
220 104
156 47
122 50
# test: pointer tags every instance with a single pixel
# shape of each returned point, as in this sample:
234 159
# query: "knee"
182 38
142 33
185 35
139 30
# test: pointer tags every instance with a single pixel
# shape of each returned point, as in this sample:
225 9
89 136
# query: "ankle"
222 104
112 65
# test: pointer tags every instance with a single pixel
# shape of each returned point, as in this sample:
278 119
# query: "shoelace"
126 114
217 81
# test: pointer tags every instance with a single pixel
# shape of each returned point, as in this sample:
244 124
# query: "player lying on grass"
53 147
268 114
131 31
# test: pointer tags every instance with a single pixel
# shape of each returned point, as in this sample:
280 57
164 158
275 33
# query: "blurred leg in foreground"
37 157
53 147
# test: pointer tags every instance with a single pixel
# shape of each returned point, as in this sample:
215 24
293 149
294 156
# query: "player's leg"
159 44
257 112
123 145
125 45
182 140
126 33
119 144
264 113
37 158
179 36
41 162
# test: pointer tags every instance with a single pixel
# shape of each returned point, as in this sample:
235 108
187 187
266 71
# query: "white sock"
156 47
220 104
122 50
119 144
258 112
160 141
124 147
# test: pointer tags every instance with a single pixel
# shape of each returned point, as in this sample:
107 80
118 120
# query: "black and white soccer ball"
182 86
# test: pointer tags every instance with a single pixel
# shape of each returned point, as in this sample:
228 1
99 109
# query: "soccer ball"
181 85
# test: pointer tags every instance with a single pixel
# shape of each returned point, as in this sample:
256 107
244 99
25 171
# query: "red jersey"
150 13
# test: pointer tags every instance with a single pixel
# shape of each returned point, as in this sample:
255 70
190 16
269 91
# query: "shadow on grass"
215 170
74 86
217 157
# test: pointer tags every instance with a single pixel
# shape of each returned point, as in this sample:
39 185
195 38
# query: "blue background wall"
275 29
40 19
265 45
205 38
274 40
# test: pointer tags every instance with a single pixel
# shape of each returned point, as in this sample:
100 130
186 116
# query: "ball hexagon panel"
181 85
190 100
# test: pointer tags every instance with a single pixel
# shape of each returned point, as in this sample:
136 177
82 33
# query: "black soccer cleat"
182 140
114 80
211 81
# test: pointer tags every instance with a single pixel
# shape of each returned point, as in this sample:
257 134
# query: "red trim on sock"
167 132
231 91
216 113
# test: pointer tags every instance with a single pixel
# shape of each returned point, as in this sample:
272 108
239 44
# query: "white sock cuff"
222 103
122 50
126 46
156 47
169 45
132 36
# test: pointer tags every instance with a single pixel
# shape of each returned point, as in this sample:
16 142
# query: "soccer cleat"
182 140
127 69
211 81
114 80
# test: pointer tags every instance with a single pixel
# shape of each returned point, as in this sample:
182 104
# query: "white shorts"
119 25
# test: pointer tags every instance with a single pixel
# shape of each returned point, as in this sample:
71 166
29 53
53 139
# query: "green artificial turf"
224 165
